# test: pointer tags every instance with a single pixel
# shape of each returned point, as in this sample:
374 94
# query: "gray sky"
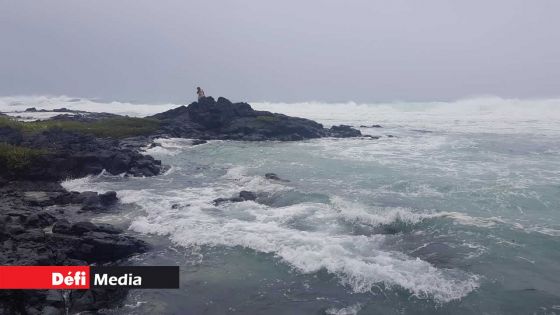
326 50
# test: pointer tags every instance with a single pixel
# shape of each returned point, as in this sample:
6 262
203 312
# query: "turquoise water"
454 213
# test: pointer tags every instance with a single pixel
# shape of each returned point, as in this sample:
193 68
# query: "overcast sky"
289 50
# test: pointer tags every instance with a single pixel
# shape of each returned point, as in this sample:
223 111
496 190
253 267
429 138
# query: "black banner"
138 277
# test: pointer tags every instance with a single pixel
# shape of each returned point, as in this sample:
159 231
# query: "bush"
16 157
118 127
267 118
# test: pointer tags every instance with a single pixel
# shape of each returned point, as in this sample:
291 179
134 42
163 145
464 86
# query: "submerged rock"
198 141
243 196
273 176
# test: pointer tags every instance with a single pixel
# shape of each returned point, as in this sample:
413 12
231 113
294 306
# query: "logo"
85 277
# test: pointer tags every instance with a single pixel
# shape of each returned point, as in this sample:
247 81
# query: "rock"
39 198
97 202
273 176
51 310
71 155
119 164
101 246
80 228
372 126
41 219
109 198
371 137
198 141
62 226
107 228
55 298
247 195
222 119
31 109
343 131
243 196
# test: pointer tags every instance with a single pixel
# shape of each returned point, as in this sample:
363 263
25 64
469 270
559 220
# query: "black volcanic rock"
344 131
244 195
274 176
69 154
222 119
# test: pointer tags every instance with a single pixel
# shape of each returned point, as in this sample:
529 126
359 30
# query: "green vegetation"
118 127
16 157
267 118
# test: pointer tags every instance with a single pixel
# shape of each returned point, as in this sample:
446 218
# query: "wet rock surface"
67 154
34 232
36 226
35 229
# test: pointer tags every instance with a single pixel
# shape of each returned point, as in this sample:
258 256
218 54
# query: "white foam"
360 262
81 184
348 310
20 103
484 114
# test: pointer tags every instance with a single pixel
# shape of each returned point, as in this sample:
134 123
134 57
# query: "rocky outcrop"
343 131
36 230
68 154
222 119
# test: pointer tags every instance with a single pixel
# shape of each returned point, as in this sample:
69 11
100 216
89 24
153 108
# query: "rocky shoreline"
43 224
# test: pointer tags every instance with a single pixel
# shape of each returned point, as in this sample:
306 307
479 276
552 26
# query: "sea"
454 209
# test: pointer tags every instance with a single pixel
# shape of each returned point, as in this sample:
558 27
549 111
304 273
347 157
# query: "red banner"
44 277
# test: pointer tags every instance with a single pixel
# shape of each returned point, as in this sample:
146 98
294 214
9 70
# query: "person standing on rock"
200 93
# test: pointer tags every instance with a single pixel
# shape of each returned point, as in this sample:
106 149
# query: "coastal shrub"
17 157
267 118
117 127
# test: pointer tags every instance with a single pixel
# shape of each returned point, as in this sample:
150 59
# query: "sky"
289 51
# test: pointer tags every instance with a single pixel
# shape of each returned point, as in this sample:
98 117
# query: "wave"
306 236
484 114
20 103
348 310
492 114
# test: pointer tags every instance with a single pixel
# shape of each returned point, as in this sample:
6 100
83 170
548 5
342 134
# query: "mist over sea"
454 209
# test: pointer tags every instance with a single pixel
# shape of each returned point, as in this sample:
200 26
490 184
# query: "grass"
118 127
267 118
16 157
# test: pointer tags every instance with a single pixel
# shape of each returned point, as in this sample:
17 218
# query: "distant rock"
222 119
343 131
372 126
273 176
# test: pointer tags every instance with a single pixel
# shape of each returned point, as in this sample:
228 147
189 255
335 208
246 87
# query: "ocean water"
455 209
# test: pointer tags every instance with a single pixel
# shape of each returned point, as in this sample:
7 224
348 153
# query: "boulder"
343 131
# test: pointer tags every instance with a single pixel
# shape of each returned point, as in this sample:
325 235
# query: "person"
200 93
